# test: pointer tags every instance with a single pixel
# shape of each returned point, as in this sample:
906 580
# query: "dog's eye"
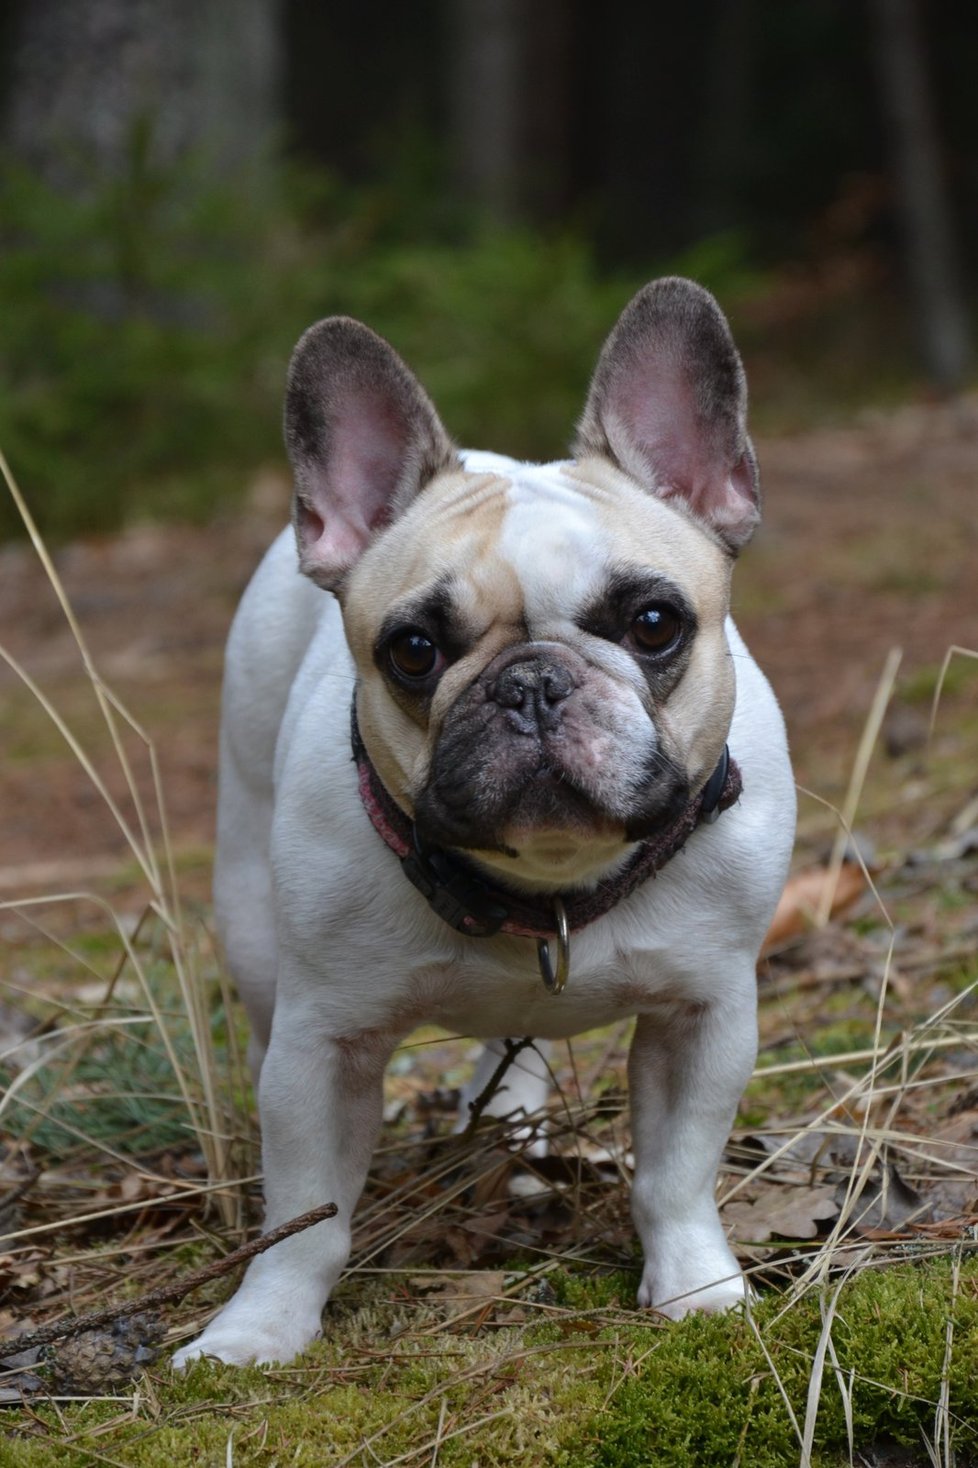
657 628
413 656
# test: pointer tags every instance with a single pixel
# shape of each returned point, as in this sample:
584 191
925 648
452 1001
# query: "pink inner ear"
728 505
351 496
659 415
657 419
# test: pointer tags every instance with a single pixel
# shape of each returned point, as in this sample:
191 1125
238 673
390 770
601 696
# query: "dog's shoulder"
282 620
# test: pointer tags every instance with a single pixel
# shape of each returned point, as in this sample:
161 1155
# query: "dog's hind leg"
269 638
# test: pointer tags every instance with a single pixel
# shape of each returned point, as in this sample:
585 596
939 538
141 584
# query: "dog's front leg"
687 1072
321 1102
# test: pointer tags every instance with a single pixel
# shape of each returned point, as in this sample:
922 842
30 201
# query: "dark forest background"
186 184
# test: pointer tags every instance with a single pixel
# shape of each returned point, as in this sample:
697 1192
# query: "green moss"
589 1387
705 1392
594 1292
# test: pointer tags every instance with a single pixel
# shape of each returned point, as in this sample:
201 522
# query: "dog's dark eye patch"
627 592
430 616
432 612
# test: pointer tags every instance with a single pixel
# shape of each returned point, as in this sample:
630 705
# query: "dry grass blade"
907 1046
197 1083
189 1192
805 1459
952 652
859 1177
108 705
942 1415
844 1385
434 1444
815 1380
857 779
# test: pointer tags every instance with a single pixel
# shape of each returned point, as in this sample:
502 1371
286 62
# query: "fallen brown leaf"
951 1150
474 1285
30 1271
802 897
473 1293
790 1212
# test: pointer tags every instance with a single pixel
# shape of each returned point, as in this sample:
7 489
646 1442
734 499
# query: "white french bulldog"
543 683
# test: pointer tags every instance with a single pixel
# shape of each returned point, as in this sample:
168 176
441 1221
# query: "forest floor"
869 544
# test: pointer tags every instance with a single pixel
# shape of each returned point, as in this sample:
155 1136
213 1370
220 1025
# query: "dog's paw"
677 1281
679 1299
236 1345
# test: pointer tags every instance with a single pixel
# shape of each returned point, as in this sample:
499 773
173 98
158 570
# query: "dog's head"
544 677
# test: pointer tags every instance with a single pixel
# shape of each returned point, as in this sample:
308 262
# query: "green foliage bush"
147 317
147 322
134 357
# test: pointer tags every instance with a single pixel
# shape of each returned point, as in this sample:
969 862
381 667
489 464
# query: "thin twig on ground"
167 1294
478 1106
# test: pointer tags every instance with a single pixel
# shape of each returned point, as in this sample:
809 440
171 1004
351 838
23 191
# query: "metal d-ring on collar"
555 978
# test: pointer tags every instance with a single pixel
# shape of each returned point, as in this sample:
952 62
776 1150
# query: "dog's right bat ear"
363 438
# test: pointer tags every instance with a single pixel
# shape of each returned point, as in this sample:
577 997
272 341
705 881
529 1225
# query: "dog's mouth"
552 798
479 814
548 807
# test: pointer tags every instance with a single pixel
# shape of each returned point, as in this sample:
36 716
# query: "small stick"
24 1186
478 1106
166 1294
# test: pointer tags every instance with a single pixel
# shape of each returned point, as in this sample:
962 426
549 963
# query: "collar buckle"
457 897
714 788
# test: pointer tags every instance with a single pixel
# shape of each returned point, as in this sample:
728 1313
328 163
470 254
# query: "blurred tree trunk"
487 49
87 75
722 143
548 106
932 266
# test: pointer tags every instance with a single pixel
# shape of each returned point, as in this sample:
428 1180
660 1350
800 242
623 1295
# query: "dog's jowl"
500 761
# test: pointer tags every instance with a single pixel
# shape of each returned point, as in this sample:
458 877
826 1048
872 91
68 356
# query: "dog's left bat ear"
668 405
363 438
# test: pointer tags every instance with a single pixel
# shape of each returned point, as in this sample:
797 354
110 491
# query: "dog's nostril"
556 684
510 689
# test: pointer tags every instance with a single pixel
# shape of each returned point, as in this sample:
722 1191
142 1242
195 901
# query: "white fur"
323 931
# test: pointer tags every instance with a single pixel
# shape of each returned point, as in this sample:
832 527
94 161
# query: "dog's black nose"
532 692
